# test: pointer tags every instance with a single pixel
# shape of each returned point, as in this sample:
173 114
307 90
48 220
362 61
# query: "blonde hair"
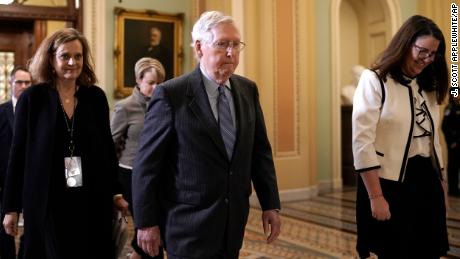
143 65
41 68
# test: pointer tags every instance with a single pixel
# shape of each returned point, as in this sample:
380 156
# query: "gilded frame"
133 40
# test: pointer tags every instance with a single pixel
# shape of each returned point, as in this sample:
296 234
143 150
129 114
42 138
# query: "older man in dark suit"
203 142
20 79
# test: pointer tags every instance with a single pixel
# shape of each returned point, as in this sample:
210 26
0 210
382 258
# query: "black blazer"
182 178
28 180
6 134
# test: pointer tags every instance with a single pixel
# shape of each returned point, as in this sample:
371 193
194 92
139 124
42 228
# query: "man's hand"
10 223
149 240
272 224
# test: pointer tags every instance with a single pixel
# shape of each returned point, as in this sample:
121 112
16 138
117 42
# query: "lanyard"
69 128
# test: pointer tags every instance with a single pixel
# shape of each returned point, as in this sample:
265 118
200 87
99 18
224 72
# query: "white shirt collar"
14 100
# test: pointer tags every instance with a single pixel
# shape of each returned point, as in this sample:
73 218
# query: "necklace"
66 98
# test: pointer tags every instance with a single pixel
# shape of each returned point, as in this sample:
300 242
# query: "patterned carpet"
325 227
320 227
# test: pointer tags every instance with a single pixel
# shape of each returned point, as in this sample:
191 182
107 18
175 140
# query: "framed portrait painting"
146 34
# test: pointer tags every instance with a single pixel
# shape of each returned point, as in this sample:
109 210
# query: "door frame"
336 118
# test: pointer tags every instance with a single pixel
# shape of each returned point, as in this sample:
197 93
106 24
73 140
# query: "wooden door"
17 37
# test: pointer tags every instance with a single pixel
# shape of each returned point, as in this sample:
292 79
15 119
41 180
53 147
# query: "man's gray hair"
207 21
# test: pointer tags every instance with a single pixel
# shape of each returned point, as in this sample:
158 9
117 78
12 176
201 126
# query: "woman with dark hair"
401 196
62 167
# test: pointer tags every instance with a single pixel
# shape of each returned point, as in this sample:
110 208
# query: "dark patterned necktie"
227 130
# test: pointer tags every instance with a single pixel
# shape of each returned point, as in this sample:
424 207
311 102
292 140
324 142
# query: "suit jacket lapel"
199 104
241 109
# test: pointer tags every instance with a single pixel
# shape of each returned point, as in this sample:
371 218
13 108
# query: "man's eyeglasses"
225 45
20 82
424 53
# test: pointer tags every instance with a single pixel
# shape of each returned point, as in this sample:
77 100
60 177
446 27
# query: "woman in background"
451 129
62 166
401 203
127 123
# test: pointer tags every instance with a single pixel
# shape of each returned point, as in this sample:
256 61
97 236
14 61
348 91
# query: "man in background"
20 79
451 129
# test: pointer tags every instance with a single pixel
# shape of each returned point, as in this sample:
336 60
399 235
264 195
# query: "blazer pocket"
379 153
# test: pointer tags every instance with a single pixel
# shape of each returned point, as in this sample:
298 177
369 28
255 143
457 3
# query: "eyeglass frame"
226 44
424 51
65 57
20 82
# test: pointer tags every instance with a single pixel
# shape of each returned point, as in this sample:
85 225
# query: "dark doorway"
348 172
17 37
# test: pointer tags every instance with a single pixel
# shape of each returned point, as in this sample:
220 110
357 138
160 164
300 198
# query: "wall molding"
328 186
94 28
238 15
335 91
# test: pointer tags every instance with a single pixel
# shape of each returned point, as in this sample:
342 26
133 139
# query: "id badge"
73 172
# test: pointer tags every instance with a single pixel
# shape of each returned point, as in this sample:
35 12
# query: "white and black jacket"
383 123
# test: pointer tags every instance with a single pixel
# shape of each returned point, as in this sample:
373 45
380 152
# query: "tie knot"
221 89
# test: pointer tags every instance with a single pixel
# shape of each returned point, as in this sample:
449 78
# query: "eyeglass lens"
425 53
19 82
224 45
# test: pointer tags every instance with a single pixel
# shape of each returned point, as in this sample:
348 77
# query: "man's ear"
198 50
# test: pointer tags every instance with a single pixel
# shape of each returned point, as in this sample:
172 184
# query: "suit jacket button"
226 200
231 172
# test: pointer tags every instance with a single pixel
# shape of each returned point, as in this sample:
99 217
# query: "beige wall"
54 3
349 42
219 5
279 57
53 26
439 11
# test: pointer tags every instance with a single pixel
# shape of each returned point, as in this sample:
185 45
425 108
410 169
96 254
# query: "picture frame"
146 34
